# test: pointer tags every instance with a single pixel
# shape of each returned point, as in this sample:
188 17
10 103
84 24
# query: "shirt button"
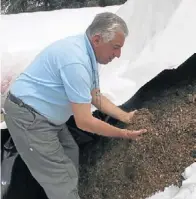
3 182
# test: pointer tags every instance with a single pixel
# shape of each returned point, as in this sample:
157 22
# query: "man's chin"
104 62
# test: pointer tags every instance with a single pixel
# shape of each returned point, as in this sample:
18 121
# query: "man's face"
106 51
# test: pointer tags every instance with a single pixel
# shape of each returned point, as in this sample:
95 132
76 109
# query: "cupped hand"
133 134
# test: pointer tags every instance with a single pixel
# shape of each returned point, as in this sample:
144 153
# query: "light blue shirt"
64 72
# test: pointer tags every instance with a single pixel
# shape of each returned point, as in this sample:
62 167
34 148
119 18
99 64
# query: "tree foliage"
18 6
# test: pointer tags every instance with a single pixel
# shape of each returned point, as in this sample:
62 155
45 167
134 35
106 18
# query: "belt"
19 102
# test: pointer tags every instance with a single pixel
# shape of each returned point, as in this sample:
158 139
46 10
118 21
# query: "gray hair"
107 24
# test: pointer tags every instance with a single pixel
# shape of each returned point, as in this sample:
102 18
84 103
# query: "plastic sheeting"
25 35
161 36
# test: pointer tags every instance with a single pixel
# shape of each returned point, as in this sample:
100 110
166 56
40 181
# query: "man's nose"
117 53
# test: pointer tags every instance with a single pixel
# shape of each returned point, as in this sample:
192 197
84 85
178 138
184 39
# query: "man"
60 82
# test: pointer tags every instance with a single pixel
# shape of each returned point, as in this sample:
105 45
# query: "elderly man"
60 82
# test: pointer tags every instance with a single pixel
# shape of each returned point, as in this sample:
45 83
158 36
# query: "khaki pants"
48 150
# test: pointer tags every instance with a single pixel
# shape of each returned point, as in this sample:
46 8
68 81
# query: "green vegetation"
18 6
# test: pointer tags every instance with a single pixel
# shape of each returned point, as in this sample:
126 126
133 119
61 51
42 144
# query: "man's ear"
96 39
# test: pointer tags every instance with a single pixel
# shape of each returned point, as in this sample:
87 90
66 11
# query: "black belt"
19 102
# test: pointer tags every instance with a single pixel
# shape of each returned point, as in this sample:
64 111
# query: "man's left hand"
128 117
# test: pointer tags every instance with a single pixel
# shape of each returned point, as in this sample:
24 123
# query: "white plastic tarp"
25 35
161 36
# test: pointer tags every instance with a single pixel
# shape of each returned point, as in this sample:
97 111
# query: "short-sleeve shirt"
65 71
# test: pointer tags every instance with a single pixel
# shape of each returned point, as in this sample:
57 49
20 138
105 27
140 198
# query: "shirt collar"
91 52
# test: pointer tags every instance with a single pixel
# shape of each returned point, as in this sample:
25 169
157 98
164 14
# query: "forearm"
107 107
102 128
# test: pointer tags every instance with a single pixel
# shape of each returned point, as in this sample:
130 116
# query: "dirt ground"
127 169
